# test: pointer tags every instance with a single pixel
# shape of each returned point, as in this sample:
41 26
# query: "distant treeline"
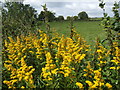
51 17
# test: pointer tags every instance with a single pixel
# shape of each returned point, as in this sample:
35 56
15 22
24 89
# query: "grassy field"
89 30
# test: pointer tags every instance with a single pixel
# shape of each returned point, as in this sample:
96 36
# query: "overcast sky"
72 7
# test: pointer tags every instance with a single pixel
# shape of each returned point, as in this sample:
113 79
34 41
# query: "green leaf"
46 49
113 81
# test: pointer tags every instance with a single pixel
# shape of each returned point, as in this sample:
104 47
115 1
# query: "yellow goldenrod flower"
10 87
96 83
8 61
11 40
26 78
73 68
99 51
96 77
31 81
101 84
66 74
108 85
19 54
118 67
30 67
6 43
85 75
61 72
102 62
31 52
115 61
112 67
22 87
82 56
80 85
97 73
49 78
20 78
77 56
13 81
89 83
85 70
93 86
6 82
54 43
54 71
52 66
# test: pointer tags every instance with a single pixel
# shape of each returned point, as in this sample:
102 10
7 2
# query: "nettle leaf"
107 73
113 80
43 63
104 78
73 72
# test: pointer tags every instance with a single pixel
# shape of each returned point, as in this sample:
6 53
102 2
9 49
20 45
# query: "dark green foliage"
116 20
50 15
112 28
83 15
68 18
108 23
41 16
75 18
17 19
60 18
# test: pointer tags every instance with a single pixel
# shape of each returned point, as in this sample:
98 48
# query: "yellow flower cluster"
102 53
108 85
98 81
80 85
116 58
49 68
88 70
97 85
18 75
30 58
68 52
16 64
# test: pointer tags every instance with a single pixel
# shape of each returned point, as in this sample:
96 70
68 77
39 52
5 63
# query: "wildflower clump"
37 61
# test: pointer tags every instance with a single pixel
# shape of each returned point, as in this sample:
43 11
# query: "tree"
60 18
68 18
41 16
75 17
17 18
83 15
50 15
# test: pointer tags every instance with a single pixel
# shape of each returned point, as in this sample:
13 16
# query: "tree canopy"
17 18
68 17
50 15
83 15
75 18
60 18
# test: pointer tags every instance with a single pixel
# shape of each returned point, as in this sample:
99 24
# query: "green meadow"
89 30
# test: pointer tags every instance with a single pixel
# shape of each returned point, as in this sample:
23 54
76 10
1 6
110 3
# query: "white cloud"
2 0
91 6
72 7
78 0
